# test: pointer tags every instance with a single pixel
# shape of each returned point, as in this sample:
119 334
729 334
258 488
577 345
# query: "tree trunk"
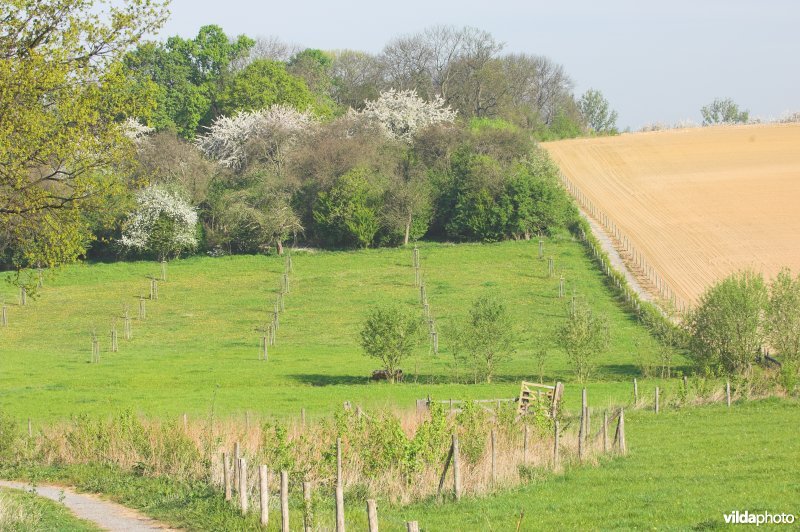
279 245
408 231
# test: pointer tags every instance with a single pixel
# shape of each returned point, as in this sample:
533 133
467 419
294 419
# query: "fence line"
662 287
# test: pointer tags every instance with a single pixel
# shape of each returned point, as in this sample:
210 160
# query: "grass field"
694 204
198 347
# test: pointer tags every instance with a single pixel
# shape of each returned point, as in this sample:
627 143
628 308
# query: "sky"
655 61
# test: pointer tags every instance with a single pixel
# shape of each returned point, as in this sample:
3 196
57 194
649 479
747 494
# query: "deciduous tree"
63 97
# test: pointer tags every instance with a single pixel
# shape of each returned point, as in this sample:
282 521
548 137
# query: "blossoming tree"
263 135
402 113
163 223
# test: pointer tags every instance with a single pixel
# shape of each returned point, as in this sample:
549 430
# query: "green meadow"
198 348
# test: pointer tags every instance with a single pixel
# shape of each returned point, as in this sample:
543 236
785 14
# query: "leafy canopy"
63 96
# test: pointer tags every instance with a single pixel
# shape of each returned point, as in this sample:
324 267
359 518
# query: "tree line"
110 144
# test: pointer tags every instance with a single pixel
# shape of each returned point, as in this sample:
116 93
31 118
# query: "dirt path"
105 514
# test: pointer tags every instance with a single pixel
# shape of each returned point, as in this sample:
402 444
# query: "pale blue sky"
654 61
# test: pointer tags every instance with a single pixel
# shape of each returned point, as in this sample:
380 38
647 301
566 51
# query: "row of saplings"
742 327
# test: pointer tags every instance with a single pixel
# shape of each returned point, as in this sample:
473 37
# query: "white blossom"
152 203
228 137
135 130
402 113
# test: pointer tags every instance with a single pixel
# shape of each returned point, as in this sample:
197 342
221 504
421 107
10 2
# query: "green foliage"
61 144
189 76
261 84
583 336
594 109
726 327
723 111
347 214
782 317
277 450
485 339
390 335
472 424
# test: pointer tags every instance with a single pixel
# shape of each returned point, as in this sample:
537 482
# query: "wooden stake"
525 446
243 485
185 422
494 456
30 428
142 308
164 270
307 514
263 490
581 433
3 316
555 444
23 296
339 488
605 431
541 249
456 469
412 526
372 515
623 448
236 456
226 476
635 392
284 501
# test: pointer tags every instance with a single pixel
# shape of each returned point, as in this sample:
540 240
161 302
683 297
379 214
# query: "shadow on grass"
330 380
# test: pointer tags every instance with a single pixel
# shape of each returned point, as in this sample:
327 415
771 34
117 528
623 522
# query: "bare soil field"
687 207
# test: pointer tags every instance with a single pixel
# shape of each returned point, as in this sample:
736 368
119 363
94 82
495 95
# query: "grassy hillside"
198 347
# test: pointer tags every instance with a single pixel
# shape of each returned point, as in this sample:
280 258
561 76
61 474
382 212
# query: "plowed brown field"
693 205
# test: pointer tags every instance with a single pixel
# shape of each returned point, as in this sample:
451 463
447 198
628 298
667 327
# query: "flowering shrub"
402 113
162 223
276 127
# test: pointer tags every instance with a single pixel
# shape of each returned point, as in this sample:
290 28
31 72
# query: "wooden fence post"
284 501
623 448
372 515
412 526
263 489
236 456
605 431
339 488
307 520
226 476
494 455
142 308
555 444
243 485
3 316
541 249
581 434
635 392
525 446
456 469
